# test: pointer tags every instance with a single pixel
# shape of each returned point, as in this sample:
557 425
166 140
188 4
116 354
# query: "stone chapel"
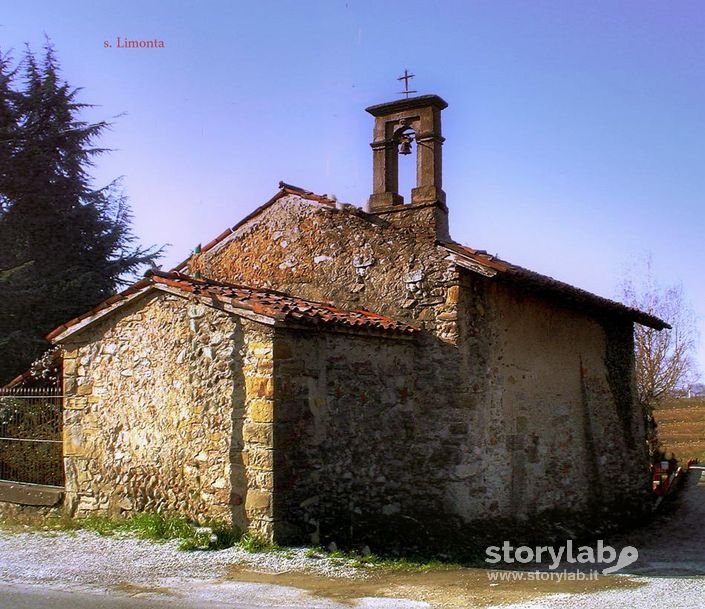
322 371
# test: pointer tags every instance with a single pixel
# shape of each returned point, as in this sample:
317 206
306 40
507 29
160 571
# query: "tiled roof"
491 266
280 306
478 261
276 306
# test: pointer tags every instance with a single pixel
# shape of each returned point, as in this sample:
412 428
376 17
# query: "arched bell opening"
407 166
402 128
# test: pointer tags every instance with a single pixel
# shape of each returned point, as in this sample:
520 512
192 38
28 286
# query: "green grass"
157 527
151 526
314 552
214 535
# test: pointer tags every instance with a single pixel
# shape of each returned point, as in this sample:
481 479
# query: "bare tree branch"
664 359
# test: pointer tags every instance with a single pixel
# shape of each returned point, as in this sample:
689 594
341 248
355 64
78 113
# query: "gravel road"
81 569
48 569
671 564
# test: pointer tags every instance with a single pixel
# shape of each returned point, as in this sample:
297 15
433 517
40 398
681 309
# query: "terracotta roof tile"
477 260
278 306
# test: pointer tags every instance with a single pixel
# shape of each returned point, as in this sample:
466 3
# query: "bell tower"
400 126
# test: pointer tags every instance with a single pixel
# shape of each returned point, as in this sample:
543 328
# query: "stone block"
87 503
258 503
263 528
220 483
259 386
258 458
263 480
85 388
260 349
453 294
73 441
261 411
257 433
74 404
70 367
69 385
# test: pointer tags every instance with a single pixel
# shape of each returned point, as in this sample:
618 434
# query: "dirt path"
451 589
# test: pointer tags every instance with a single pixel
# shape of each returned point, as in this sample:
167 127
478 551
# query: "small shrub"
254 543
159 527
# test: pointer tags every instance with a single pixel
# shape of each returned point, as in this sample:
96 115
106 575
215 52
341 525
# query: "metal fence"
30 436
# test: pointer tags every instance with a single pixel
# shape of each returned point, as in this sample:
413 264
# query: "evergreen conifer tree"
64 245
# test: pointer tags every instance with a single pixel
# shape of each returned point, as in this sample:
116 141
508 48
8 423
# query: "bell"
405 145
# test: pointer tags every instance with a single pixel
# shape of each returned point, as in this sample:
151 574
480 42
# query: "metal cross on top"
406 78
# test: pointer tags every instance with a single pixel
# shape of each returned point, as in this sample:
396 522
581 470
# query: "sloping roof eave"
284 190
481 262
104 309
264 306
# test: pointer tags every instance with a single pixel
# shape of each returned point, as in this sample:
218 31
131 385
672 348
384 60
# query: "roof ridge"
284 189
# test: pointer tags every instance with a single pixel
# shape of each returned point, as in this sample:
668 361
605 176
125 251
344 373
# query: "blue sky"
575 130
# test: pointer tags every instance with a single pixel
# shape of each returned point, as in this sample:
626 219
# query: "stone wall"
507 406
158 398
512 407
252 455
557 422
11 513
390 266
347 436
377 440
